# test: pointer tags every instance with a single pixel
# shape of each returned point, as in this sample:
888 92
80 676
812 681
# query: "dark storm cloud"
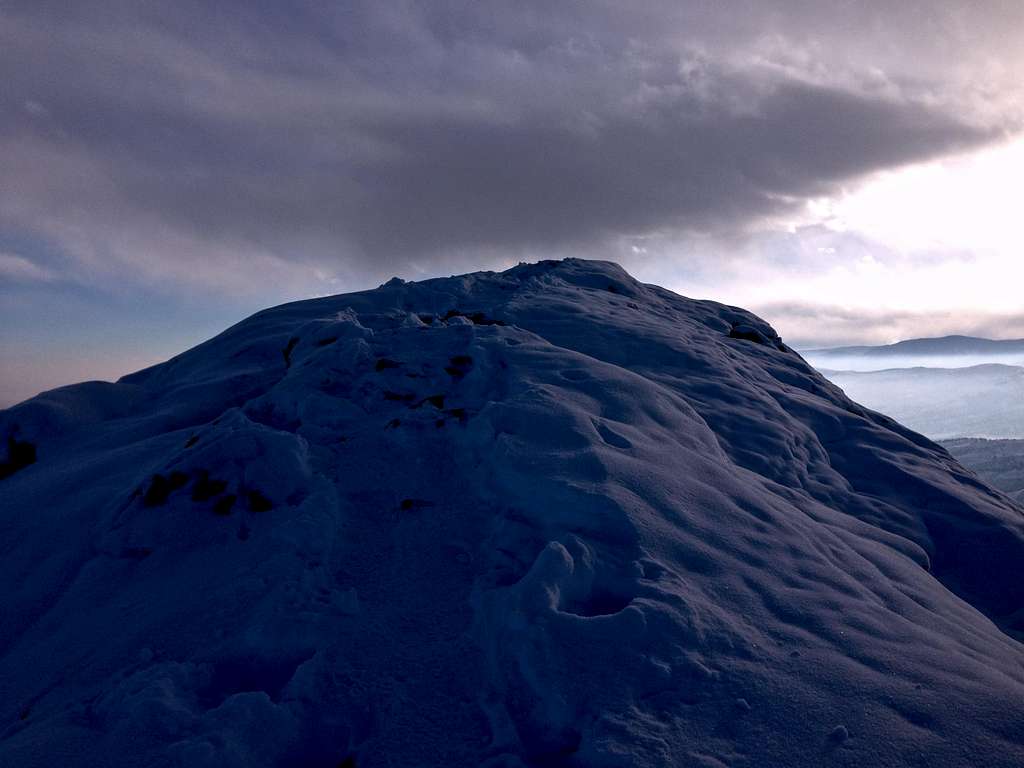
682 165
380 134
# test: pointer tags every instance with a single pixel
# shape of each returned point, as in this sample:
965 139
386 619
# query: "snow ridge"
543 517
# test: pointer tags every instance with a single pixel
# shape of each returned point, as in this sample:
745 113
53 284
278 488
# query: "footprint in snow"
611 437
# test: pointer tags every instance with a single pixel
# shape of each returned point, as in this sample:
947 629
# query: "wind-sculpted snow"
547 517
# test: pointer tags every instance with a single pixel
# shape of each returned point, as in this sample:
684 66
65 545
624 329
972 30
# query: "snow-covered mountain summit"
543 517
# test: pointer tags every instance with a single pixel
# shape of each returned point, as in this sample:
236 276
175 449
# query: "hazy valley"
967 393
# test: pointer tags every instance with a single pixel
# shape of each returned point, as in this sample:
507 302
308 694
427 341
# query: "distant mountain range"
945 352
944 345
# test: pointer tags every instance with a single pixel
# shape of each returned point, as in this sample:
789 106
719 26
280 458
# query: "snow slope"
544 517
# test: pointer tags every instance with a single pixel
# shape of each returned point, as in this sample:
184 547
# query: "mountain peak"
545 516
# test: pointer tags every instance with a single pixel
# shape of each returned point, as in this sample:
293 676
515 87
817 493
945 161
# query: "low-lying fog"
825 360
943 403
970 396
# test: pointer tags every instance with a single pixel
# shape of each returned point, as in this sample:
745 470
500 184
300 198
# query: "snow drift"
543 517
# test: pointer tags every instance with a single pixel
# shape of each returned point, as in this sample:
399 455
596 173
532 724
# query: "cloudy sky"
852 170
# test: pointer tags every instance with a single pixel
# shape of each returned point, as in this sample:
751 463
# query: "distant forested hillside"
1000 463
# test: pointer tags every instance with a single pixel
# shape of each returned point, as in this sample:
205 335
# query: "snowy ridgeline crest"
543 517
